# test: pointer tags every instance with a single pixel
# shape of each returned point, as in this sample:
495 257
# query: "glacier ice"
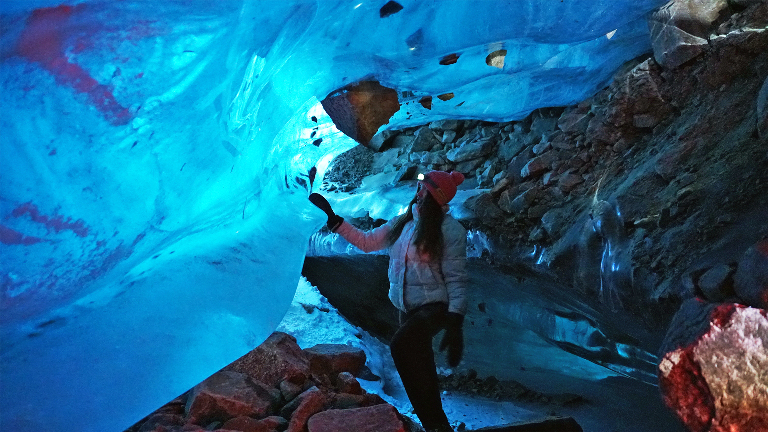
153 217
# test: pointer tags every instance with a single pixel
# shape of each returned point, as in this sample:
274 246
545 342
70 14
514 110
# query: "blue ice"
153 213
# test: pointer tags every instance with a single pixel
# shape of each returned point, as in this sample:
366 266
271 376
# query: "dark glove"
334 220
453 339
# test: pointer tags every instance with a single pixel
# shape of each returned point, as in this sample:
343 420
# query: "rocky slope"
632 194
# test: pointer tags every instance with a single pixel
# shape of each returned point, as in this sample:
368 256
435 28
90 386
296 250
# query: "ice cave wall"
152 211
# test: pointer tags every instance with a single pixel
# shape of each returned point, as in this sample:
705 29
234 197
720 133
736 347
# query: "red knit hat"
442 185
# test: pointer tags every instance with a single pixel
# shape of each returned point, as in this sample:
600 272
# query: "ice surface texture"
153 213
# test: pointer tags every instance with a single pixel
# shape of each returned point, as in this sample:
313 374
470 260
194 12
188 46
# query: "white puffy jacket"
414 280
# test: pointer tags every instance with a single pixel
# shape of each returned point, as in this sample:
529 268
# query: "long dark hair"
429 227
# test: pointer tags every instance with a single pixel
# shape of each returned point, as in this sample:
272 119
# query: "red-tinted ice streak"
56 222
42 41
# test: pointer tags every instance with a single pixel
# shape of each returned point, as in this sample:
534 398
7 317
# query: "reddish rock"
358 110
310 403
277 358
378 418
228 394
751 279
248 424
161 422
712 370
537 166
346 383
332 359
678 30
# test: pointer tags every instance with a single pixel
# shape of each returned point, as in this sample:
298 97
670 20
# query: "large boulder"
377 418
712 369
277 358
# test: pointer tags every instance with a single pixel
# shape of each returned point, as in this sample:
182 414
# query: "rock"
424 139
549 424
568 181
402 140
509 148
359 109
381 139
469 166
434 158
574 121
537 166
347 383
519 203
751 279
679 29
449 136
712 366
484 207
762 110
445 125
160 422
228 394
378 418
515 166
248 424
553 221
385 161
303 407
471 150
290 390
543 125
717 283
332 359
277 358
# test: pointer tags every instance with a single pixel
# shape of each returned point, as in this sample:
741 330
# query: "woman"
427 283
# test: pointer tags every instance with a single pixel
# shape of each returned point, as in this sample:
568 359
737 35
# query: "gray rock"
402 140
573 121
553 221
542 125
424 140
468 166
471 150
449 136
434 158
381 139
510 147
678 30
762 110
537 165
568 181
385 161
751 279
716 283
445 125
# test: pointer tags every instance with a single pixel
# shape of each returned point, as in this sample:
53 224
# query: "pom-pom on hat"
442 185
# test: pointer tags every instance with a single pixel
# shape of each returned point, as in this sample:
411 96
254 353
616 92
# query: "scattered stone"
228 394
445 125
303 407
381 139
537 166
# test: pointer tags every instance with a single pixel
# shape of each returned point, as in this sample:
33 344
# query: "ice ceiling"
153 212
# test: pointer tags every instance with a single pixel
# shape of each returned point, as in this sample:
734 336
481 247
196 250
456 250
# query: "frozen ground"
615 404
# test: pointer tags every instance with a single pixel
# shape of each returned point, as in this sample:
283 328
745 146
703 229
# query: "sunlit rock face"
153 219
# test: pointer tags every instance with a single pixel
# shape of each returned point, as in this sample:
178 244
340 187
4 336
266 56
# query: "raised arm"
366 241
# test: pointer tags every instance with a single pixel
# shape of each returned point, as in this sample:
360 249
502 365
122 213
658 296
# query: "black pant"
415 362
